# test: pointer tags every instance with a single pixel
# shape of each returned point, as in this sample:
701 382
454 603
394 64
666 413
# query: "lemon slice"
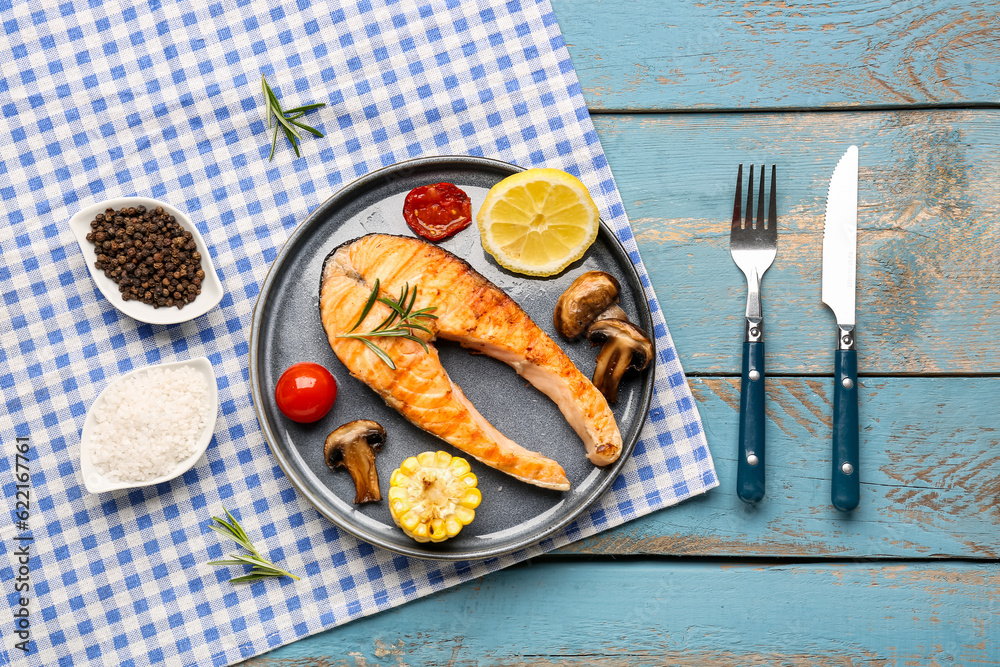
538 221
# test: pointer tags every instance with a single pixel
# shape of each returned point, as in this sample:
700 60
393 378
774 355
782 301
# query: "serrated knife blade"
840 239
840 247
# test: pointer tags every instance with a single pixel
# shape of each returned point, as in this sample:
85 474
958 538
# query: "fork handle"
846 487
750 464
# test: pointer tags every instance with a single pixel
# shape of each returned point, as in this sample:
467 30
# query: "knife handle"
846 488
750 461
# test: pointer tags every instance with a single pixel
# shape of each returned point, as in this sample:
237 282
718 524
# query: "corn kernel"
411 520
472 498
464 514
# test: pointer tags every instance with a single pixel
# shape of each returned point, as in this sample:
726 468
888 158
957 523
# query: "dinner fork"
753 247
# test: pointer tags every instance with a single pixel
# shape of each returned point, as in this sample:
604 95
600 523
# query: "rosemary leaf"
380 352
274 142
228 533
255 561
238 529
267 101
422 342
274 106
386 322
308 107
399 312
306 127
389 333
418 327
413 299
292 139
368 306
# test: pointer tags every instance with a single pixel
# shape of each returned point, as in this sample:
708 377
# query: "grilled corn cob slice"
432 495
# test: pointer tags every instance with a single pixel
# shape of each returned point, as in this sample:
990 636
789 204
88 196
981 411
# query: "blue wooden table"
680 95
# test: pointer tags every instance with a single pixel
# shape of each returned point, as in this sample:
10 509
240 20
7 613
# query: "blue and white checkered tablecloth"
103 99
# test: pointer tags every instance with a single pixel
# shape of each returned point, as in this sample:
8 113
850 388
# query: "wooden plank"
668 56
686 614
930 477
929 201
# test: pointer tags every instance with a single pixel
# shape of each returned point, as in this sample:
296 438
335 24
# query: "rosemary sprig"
286 120
401 322
262 568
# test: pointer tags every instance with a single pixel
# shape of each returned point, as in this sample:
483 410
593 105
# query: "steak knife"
840 244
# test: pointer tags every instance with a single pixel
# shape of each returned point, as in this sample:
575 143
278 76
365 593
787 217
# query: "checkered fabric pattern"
162 98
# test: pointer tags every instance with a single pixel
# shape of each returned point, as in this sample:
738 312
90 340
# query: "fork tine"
749 220
772 209
737 216
760 202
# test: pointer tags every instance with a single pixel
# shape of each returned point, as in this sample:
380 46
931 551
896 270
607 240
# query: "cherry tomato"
305 392
437 211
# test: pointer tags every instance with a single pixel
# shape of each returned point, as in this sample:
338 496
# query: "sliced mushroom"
625 346
353 446
584 301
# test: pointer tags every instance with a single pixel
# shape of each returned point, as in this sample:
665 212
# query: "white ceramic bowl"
92 477
211 286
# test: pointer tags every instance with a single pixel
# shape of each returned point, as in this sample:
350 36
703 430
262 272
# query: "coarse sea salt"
147 424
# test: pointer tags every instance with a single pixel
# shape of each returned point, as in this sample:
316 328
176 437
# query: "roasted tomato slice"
437 211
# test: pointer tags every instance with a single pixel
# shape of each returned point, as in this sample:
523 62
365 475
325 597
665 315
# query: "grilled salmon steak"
478 315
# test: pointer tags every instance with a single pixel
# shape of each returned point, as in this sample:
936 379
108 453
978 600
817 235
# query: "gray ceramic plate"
286 329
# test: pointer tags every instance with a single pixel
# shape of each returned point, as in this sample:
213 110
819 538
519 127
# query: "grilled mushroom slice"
590 295
353 446
625 346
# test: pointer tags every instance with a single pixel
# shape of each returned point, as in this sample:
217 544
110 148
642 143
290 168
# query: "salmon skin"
478 315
